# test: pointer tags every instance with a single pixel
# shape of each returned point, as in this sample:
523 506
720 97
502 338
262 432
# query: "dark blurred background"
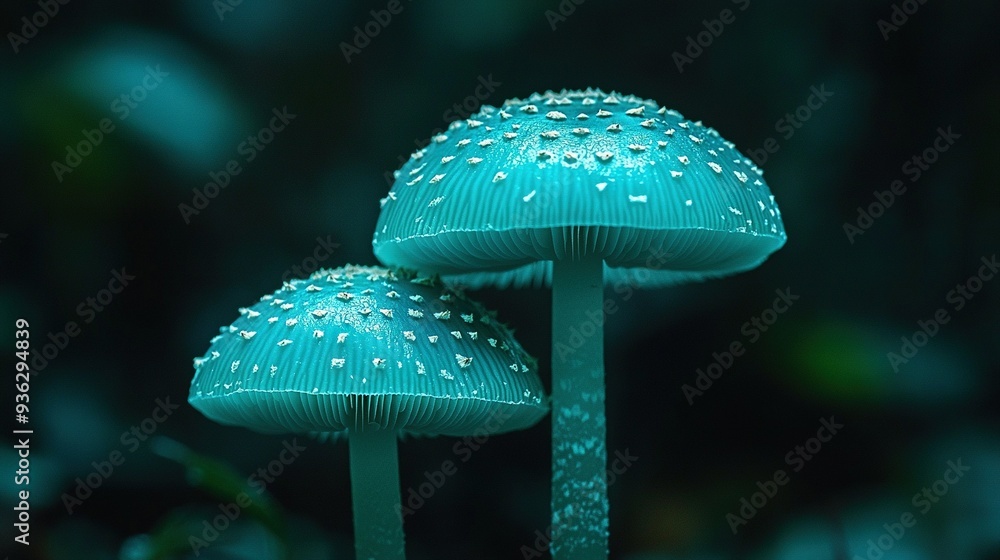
116 114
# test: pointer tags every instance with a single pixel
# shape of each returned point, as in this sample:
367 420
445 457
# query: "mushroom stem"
378 524
579 455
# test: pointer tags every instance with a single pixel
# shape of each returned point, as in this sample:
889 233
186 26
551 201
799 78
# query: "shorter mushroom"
376 354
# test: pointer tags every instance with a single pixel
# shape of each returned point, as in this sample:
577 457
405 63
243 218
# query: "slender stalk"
378 523
579 455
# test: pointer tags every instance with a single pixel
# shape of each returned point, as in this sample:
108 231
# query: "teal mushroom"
577 189
375 354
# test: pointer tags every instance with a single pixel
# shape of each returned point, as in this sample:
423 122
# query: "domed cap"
565 172
360 345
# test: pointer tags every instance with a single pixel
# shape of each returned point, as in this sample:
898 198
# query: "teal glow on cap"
359 345
542 178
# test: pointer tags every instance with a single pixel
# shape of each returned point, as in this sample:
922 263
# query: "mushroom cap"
355 346
662 199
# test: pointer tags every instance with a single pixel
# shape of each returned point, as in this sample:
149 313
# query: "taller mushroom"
577 189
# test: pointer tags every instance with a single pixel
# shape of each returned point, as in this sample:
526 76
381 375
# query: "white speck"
637 147
735 211
550 134
582 117
417 169
365 311
284 342
319 313
603 114
463 361
247 335
695 139
415 313
510 135
272 320
581 131
500 176
741 176
648 123
435 202
251 314
234 366
684 159
555 115
463 142
492 341
570 156
688 202
309 288
505 115
444 373
669 132
386 312
485 143
379 363
256 368
410 335
528 197
341 338
474 123
291 322
415 181
614 127
761 204
601 186
441 138
636 112
417 298
682 124
443 315
337 362
474 160
457 335
345 296
474 335
273 370
604 156
545 154
713 152
715 167
432 339
661 143
446 159
318 334
287 306
437 178
392 294
637 198
516 126
420 368
468 317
